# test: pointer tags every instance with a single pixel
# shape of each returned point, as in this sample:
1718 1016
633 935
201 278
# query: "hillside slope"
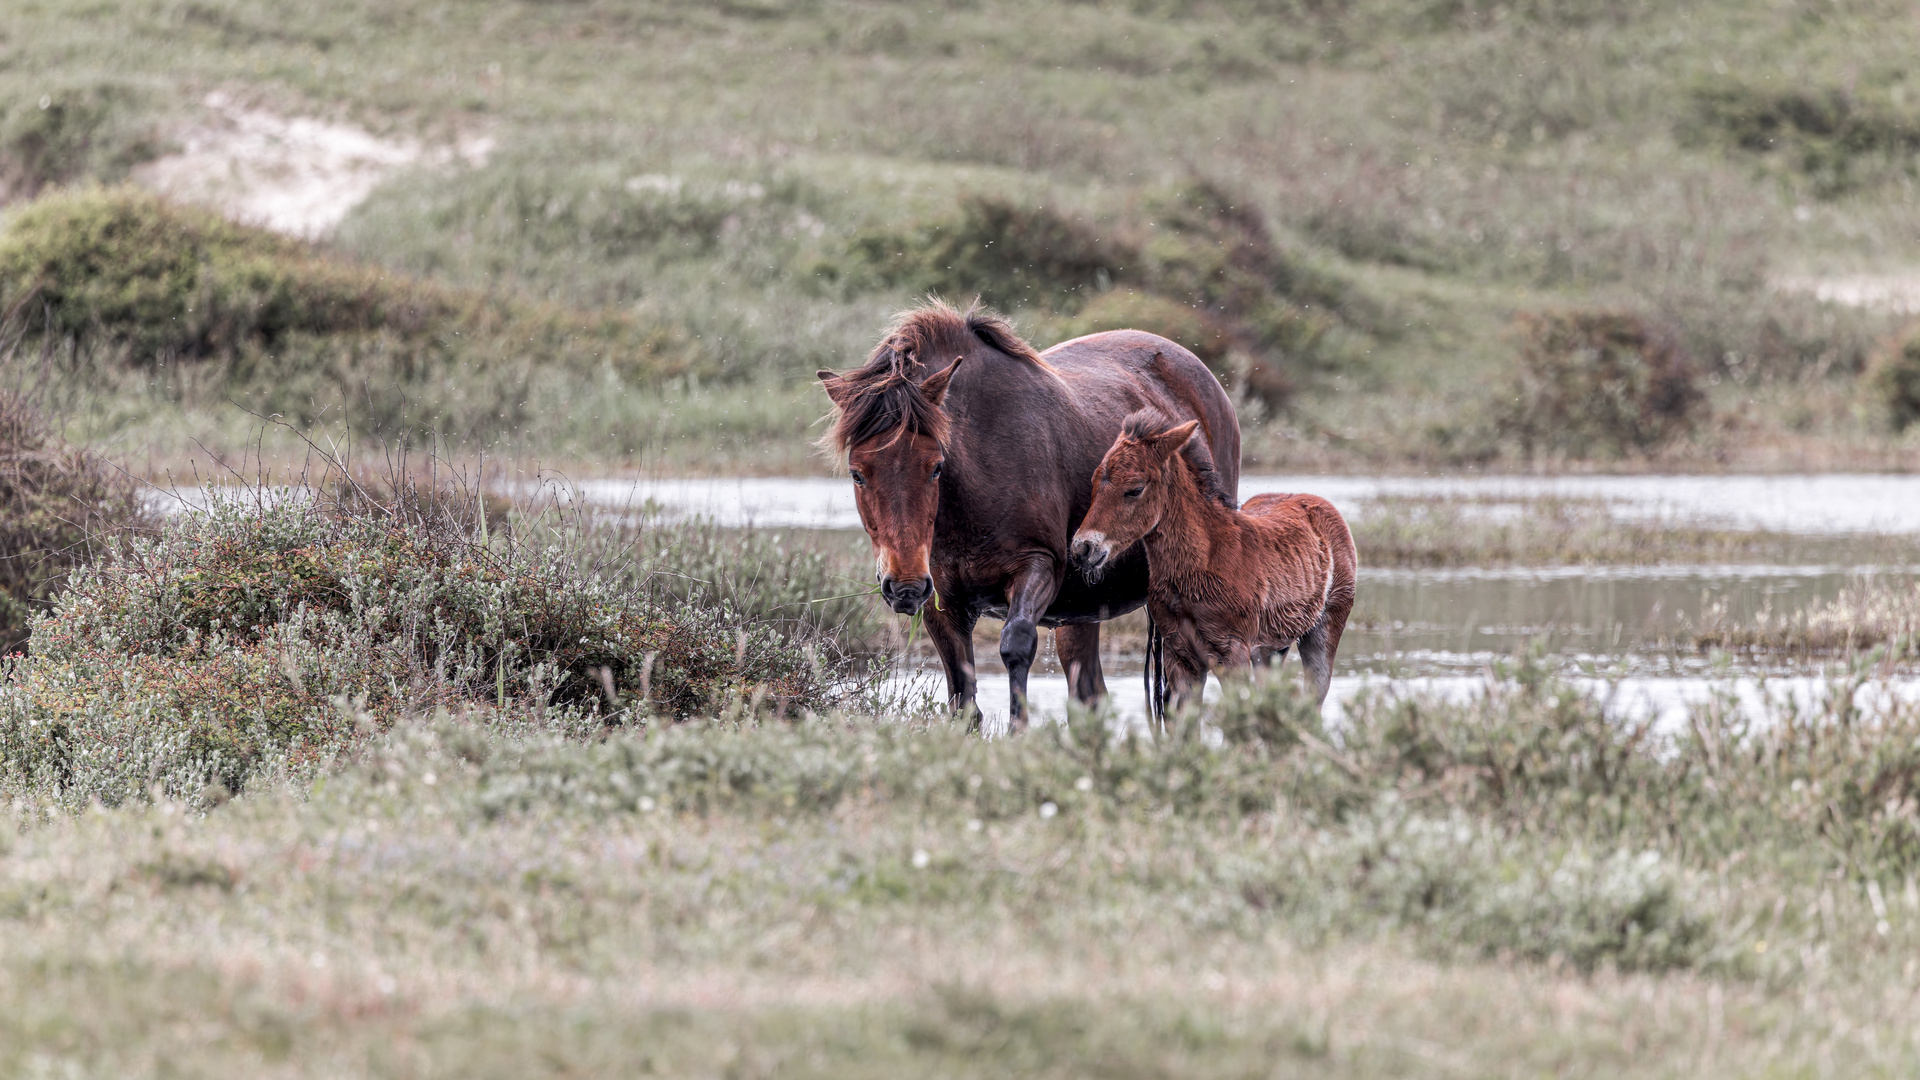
1344 206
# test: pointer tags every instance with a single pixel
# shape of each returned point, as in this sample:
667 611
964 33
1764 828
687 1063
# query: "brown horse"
972 458
1230 588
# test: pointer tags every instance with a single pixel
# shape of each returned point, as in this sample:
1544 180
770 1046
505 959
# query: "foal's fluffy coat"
1230 588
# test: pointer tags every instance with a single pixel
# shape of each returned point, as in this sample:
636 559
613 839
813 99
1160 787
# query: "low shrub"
59 505
1833 139
121 278
1468 887
1892 381
1009 254
806 588
1130 309
1457 880
273 633
1204 271
1867 613
1597 384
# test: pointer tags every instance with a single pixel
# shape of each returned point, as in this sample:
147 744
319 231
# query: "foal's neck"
1181 545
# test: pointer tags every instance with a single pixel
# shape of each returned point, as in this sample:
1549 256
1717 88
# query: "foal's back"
1306 566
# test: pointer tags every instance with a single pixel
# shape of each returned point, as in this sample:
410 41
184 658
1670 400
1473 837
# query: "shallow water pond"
1611 629
1403 616
1830 504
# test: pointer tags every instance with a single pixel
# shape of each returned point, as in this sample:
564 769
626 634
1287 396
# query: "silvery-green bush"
272 635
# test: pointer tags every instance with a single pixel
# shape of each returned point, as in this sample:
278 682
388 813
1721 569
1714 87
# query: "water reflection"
1403 615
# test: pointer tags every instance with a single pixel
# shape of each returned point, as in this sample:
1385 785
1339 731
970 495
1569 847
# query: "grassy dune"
394 781
1344 205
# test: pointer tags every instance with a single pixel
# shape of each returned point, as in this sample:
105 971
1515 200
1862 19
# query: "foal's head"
1132 488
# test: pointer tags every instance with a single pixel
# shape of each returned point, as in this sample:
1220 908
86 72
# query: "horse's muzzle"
1089 554
906 598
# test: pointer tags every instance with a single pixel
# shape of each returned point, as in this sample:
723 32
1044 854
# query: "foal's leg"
1079 649
1318 646
951 630
1032 589
1266 656
1186 677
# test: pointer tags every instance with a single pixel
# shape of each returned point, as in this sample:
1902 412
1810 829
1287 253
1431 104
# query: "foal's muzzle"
1089 554
906 597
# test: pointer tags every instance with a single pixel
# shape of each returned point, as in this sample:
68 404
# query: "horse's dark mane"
1147 423
883 396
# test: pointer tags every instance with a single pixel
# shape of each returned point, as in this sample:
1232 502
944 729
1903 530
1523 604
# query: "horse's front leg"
1028 596
950 629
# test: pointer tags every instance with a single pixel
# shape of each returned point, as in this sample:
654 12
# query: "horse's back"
1314 514
1312 508
1132 369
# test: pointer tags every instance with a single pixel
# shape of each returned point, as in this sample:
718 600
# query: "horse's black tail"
1154 675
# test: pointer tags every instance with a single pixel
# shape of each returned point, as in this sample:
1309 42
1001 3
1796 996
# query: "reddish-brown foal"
1230 588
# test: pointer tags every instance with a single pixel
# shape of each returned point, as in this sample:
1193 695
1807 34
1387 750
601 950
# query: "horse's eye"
858 479
938 468
1134 493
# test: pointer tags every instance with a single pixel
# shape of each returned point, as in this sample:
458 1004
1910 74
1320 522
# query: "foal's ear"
935 388
829 380
1171 440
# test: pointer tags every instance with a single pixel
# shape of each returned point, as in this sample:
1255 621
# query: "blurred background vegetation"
1367 216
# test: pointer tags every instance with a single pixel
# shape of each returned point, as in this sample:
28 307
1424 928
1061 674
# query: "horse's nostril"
906 597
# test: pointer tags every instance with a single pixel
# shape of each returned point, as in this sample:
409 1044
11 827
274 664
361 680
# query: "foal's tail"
1154 675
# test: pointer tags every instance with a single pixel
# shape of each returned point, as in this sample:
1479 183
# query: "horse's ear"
935 388
1172 439
832 383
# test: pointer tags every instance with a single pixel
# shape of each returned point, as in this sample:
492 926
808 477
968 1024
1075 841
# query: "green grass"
1515 885
1420 175
1440 532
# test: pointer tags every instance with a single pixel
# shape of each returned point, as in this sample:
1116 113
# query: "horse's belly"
1121 589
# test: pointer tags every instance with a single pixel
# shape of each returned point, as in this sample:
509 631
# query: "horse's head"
894 433
1130 490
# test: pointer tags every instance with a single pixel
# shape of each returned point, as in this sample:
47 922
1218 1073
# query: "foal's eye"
859 479
1134 493
938 468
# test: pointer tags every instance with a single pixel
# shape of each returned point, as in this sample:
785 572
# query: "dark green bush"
1893 379
1203 271
1212 250
1010 254
1834 139
1597 384
119 278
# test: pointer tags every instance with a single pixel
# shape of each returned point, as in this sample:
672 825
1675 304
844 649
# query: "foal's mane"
1147 423
882 396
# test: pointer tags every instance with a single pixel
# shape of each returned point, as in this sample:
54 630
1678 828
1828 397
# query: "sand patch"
1897 293
295 175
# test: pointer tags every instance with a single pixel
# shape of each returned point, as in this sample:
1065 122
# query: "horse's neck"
1182 546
